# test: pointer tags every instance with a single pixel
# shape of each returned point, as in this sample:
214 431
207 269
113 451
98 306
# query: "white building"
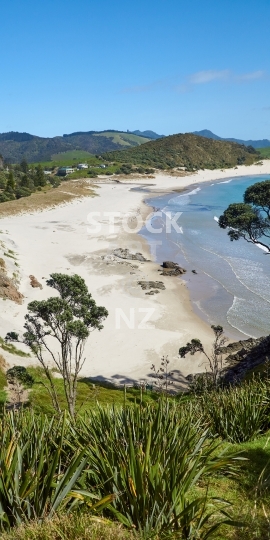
82 166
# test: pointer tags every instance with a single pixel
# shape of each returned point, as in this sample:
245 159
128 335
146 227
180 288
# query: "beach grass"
48 197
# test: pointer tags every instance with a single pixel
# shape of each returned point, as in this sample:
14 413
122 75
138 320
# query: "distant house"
102 166
47 172
63 171
82 166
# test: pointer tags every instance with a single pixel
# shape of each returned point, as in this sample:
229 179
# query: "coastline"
61 239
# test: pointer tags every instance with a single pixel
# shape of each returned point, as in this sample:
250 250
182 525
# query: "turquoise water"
232 284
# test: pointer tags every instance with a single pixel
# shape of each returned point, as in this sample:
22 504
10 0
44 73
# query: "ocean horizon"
232 285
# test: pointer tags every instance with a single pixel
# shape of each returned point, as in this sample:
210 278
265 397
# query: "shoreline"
57 240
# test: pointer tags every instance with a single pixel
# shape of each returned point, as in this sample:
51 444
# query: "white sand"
62 240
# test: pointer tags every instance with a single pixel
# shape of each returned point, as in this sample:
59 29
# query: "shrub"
20 374
153 458
237 414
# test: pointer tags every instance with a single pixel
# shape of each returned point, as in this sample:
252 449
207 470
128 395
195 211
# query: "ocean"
232 283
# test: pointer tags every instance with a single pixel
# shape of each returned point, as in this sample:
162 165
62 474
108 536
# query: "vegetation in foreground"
187 469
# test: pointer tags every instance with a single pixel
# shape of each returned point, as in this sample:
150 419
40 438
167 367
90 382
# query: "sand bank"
80 237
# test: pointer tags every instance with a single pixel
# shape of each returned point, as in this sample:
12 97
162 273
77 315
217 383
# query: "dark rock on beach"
150 285
126 254
172 269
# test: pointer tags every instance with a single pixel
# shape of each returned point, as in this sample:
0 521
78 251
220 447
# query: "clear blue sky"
169 65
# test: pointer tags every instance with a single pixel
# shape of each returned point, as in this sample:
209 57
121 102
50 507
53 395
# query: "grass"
71 155
124 139
48 197
3 381
80 527
265 152
249 497
90 394
9 347
247 489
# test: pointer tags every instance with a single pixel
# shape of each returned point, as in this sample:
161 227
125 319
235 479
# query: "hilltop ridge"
188 151
261 143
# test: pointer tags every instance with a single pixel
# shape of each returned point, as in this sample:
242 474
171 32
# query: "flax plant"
154 458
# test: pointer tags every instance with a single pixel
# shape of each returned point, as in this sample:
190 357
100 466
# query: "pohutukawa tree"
214 359
58 328
251 219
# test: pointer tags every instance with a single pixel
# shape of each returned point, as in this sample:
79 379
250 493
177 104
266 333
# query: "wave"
183 199
225 181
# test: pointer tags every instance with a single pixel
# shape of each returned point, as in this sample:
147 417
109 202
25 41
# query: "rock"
148 285
169 264
126 254
155 291
8 290
34 282
171 269
245 356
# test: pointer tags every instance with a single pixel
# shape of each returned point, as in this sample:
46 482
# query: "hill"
263 143
186 150
149 134
16 146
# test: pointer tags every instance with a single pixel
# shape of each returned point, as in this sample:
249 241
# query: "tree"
215 359
58 328
251 219
24 166
39 178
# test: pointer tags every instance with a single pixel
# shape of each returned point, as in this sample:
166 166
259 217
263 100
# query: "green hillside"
124 139
186 150
264 152
14 147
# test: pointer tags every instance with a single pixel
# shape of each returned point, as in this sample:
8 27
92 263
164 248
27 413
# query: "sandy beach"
80 237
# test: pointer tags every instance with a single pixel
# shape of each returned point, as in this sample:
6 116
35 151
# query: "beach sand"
63 239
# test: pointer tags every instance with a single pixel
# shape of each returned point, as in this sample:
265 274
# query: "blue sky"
172 66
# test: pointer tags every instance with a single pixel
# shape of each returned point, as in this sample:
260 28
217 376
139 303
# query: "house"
82 166
102 166
63 171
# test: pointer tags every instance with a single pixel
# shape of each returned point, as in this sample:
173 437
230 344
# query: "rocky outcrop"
171 269
244 356
126 254
153 287
239 358
8 289
34 282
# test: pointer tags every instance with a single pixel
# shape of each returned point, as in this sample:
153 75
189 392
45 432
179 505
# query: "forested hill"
186 150
14 146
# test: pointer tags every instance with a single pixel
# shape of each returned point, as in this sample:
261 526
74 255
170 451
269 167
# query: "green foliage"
20 374
36 475
9 347
264 152
250 220
24 166
184 150
39 177
153 457
82 526
68 320
238 414
76 145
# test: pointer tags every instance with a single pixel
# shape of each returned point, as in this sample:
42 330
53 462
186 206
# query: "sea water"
232 283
